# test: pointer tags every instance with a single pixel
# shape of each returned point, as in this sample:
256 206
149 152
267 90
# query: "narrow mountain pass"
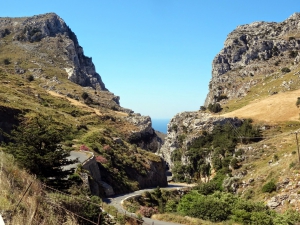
117 201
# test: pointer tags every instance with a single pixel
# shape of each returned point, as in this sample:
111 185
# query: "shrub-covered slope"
43 71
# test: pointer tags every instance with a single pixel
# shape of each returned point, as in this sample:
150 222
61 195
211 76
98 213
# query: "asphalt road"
116 201
81 156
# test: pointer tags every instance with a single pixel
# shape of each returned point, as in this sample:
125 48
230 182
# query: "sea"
160 125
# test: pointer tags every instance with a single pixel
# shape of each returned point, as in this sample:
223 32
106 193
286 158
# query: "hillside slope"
255 76
276 108
250 53
43 71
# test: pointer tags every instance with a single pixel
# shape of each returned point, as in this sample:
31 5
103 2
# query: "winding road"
80 155
117 200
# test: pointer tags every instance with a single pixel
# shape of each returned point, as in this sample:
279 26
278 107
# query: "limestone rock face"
185 127
144 136
251 50
52 30
156 175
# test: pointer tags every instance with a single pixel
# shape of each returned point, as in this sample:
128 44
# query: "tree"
35 144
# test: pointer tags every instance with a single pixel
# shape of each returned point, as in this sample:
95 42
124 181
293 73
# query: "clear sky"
155 54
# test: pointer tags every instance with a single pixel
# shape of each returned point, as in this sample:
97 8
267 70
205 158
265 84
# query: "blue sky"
156 54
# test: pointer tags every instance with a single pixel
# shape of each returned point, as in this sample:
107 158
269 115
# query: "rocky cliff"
145 136
50 28
185 127
250 51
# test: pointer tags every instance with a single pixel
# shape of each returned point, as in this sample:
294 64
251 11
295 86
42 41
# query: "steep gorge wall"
252 50
185 127
47 27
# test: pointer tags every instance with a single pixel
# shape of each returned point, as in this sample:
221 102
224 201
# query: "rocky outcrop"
156 175
52 33
185 127
251 50
144 136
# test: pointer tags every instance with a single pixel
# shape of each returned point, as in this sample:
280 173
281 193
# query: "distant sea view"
160 125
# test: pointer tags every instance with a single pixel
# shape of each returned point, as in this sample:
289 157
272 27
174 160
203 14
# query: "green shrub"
269 187
285 70
234 163
202 108
204 207
293 54
85 95
181 138
207 188
171 206
30 78
215 108
221 97
239 152
292 164
6 61
176 155
174 127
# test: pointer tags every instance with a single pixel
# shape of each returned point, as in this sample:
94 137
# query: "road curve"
117 200
81 156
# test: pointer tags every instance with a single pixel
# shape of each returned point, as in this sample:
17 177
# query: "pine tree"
35 144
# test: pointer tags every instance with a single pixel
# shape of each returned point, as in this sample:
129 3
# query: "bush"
85 95
171 206
6 61
209 207
221 97
30 78
207 188
292 164
202 108
277 63
234 163
269 187
174 127
293 54
215 108
285 70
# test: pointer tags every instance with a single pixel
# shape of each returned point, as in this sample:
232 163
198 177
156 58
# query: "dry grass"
32 209
169 217
273 109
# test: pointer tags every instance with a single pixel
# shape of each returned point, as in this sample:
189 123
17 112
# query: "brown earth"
275 108
84 106
75 102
